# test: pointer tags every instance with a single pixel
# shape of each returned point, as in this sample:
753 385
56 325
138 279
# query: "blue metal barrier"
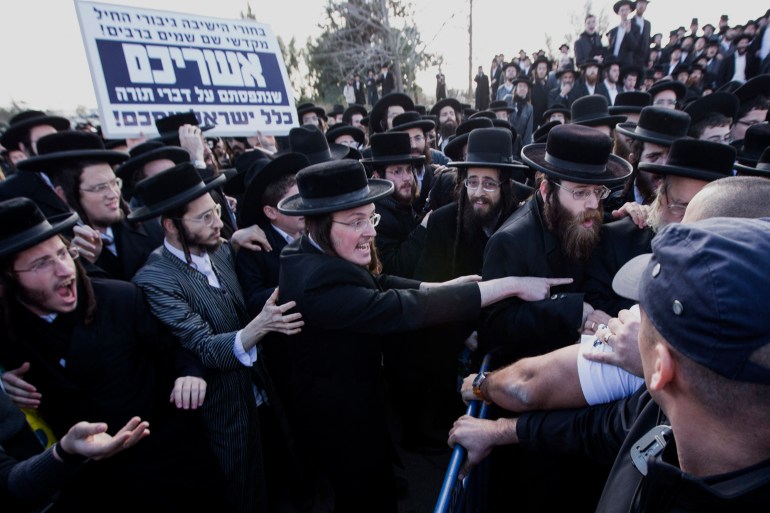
456 493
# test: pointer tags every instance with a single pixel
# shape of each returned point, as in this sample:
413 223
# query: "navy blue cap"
705 291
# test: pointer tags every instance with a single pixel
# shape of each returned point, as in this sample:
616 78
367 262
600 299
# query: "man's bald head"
734 196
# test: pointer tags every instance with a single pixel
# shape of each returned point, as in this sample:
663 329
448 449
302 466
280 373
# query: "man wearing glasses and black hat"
191 286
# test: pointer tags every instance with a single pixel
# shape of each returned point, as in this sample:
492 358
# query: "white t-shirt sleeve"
603 383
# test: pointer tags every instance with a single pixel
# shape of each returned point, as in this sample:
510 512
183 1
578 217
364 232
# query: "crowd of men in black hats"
203 324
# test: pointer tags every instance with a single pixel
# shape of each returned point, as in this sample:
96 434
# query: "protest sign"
148 64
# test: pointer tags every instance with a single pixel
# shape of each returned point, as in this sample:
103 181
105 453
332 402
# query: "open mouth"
67 291
363 247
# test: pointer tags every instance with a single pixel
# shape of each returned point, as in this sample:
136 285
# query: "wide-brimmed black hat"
577 153
353 108
588 63
168 127
311 142
446 102
245 165
569 68
539 60
490 147
760 168
337 110
380 110
541 134
759 85
558 107
630 102
752 145
411 119
697 159
621 3
500 105
23 225
454 147
722 102
593 110
333 186
421 109
170 189
522 80
22 122
250 211
62 148
488 114
667 84
343 128
149 151
657 125
391 148
632 70
507 65
304 108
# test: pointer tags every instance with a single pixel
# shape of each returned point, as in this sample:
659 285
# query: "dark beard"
447 129
475 223
577 242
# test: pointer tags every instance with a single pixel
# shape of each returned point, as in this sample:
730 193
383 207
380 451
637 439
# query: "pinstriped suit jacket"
206 319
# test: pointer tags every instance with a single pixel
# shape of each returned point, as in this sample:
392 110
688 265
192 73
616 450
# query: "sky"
45 64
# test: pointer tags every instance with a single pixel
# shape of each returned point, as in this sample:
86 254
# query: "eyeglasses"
417 139
724 139
116 184
487 185
751 123
583 194
664 101
360 225
208 217
676 209
48 263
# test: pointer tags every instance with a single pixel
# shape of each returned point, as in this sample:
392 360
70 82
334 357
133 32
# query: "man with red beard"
400 234
90 349
192 287
552 235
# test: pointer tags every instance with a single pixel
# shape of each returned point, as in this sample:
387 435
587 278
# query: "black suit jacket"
643 50
588 46
524 247
621 241
727 68
134 242
258 271
628 47
119 365
399 237
337 358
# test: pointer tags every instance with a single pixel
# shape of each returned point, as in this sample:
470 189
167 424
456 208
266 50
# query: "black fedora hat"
697 159
62 148
760 168
667 84
588 63
343 128
577 153
446 102
168 127
454 148
24 121
488 114
245 165
467 113
657 125
411 119
391 148
353 108
757 86
149 151
333 186
337 110
539 60
541 134
752 145
558 107
522 80
304 108
500 105
310 141
593 110
23 225
621 3
507 65
569 68
730 87
284 165
377 116
629 102
721 102
421 109
170 189
490 147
